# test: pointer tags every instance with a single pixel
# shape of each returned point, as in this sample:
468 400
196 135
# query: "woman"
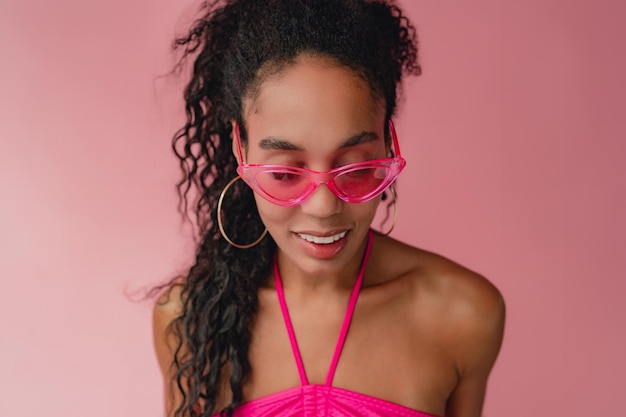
289 148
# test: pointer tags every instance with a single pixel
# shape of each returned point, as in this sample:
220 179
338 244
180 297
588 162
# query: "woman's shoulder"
167 307
462 308
454 291
169 304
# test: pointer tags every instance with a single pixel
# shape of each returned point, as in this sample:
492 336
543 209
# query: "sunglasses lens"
288 186
361 183
282 185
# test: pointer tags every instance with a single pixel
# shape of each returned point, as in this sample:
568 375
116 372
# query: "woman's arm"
166 309
478 328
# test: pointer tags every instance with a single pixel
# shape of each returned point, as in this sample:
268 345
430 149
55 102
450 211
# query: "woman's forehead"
313 99
305 64
308 83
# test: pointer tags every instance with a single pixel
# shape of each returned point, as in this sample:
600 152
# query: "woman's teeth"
322 240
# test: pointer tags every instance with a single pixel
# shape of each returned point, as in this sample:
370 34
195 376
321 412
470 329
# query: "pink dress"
316 400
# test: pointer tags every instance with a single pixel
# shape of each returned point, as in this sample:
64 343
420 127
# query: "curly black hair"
234 46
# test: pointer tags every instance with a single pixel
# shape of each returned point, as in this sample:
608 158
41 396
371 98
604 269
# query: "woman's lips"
322 240
322 246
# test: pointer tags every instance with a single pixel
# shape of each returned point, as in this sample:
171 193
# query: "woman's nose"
322 203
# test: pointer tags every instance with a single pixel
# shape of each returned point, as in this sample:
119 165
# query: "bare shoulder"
466 296
458 290
169 303
456 312
464 307
166 309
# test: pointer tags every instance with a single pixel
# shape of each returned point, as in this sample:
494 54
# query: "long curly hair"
234 46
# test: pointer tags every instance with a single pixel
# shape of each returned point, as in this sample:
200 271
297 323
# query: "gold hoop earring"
221 226
395 211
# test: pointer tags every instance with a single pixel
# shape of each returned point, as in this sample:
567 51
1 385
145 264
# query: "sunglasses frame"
248 173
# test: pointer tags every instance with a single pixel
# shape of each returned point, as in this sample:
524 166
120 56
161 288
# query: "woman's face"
318 115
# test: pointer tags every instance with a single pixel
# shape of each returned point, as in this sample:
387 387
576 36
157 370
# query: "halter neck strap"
346 321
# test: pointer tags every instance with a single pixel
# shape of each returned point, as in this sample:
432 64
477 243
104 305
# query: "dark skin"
425 332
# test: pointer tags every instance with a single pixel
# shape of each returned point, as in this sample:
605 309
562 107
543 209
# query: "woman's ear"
236 140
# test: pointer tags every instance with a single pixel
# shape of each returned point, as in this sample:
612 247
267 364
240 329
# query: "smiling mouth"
326 240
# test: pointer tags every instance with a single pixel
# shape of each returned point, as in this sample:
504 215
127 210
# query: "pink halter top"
315 400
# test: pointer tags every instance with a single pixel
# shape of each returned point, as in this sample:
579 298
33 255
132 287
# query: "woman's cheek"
273 215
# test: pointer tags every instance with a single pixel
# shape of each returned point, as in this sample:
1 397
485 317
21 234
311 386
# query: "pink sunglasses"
354 183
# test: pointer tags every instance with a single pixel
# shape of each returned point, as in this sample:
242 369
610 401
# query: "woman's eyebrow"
360 139
272 143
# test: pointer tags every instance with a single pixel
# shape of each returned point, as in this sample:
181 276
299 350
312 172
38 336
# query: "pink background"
515 140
